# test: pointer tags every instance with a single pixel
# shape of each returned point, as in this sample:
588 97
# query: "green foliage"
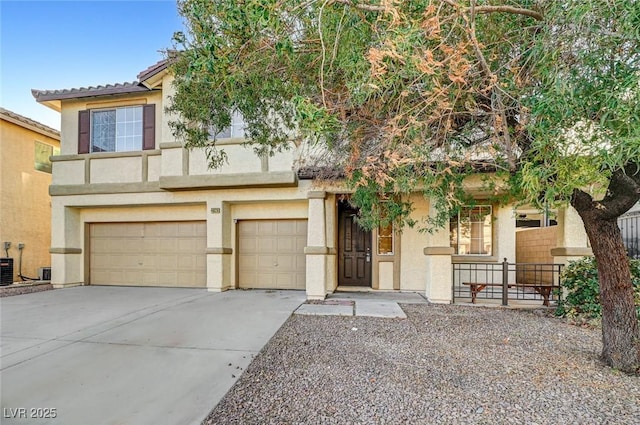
585 105
404 97
579 283
415 96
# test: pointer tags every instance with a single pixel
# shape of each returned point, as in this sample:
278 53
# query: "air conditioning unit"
44 273
6 271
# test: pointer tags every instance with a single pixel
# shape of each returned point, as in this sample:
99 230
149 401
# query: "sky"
50 45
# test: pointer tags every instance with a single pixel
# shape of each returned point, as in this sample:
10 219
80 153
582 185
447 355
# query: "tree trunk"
620 330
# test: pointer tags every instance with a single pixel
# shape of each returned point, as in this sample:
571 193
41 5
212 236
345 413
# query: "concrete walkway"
120 355
368 304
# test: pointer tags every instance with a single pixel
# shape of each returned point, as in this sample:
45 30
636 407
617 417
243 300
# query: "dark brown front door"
354 249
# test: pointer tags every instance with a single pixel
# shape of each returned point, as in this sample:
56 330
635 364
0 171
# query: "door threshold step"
354 289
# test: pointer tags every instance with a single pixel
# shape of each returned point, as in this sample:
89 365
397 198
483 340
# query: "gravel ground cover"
441 365
9 291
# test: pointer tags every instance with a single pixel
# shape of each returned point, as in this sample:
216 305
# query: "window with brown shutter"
149 127
123 129
84 125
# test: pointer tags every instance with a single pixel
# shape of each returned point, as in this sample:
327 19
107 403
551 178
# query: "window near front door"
385 240
116 130
471 231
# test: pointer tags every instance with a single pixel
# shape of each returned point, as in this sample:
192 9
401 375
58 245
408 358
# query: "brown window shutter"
84 139
149 127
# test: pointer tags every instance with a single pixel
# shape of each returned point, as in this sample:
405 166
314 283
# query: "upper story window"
235 130
471 231
42 155
118 129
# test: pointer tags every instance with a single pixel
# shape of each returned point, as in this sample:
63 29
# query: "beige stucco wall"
68 172
127 186
240 159
412 260
116 170
572 242
72 213
25 205
70 109
154 168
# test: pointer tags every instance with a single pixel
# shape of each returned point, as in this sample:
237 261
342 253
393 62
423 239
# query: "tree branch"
496 9
623 192
510 9
499 108
368 7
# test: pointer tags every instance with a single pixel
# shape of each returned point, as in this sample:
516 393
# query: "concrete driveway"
123 355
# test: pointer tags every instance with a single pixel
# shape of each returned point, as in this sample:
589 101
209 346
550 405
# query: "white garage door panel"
148 254
271 254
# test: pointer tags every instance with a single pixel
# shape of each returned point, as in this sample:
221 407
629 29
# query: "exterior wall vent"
6 271
44 273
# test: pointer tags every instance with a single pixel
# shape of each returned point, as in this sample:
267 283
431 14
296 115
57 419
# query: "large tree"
406 96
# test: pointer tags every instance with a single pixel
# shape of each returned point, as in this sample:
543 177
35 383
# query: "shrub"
581 291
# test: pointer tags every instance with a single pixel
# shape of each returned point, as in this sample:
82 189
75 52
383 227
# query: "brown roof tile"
75 93
153 70
12 116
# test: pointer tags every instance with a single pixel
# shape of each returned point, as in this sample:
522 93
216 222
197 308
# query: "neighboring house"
25 206
131 206
630 229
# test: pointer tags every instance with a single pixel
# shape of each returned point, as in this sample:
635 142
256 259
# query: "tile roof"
153 69
75 93
108 89
12 116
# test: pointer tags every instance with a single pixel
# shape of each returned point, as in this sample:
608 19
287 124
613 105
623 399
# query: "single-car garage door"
271 254
148 254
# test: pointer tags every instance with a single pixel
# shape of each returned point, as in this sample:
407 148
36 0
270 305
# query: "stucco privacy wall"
533 245
25 205
572 242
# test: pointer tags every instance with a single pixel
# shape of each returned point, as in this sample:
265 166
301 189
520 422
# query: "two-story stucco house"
25 207
131 206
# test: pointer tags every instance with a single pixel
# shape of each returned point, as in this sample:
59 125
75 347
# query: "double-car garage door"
149 254
270 254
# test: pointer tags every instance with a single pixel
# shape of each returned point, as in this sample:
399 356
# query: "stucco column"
572 241
316 249
438 263
332 255
67 259
219 249
504 227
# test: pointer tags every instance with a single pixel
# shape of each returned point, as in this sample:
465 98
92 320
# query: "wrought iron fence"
506 281
630 230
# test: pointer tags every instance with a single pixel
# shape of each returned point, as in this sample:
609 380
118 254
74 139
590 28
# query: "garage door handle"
275 264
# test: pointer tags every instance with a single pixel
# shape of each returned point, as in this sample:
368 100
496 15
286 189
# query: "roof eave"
152 76
30 124
155 80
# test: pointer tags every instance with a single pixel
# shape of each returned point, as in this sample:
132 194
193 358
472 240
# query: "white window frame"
455 234
235 131
122 136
